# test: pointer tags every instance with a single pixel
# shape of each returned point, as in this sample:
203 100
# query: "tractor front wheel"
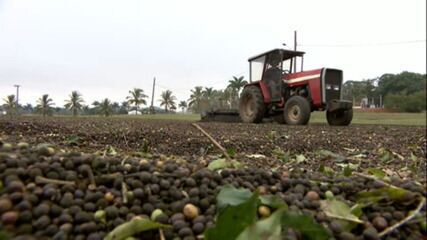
297 111
251 105
339 117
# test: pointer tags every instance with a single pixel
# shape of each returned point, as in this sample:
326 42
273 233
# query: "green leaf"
110 151
4 235
389 193
223 163
266 229
339 210
326 170
132 227
231 152
231 196
300 158
73 140
237 164
347 171
376 172
386 155
357 210
414 158
331 155
352 166
281 155
145 146
232 220
309 229
219 164
272 135
273 201
423 222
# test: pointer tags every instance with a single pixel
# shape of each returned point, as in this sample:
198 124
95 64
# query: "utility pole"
152 111
17 97
295 48
17 93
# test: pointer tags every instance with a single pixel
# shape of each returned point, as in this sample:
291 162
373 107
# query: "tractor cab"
271 67
285 60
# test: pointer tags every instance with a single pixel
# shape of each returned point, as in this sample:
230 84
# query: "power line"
364 44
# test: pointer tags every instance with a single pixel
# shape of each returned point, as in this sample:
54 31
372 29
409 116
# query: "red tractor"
275 90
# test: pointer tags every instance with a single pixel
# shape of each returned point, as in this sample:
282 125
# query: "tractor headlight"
336 87
328 86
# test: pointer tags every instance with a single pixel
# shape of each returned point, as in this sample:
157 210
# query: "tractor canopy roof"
286 54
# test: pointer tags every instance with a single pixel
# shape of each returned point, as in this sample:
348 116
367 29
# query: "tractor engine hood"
293 78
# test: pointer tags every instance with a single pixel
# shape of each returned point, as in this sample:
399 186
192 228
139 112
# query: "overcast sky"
105 48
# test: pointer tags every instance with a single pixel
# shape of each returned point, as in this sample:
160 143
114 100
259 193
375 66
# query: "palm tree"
96 103
124 108
86 110
137 97
209 94
28 108
168 100
75 103
195 98
44 105
182 105
105 107
237 83
10 104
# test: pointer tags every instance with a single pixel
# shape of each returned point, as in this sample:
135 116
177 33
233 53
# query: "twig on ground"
109 175
162 235
223 150
137 174
43 180
126 140
405 220
124 192
86 168
185 194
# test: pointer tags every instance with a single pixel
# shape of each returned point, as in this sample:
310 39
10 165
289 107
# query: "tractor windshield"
286 65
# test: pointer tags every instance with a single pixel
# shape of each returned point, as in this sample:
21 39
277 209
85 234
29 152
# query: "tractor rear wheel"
251 105
340 117
297 111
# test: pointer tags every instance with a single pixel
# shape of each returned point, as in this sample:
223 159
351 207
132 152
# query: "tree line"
75 105
201 98
405 91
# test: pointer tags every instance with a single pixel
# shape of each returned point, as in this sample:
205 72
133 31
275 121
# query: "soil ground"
401 149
